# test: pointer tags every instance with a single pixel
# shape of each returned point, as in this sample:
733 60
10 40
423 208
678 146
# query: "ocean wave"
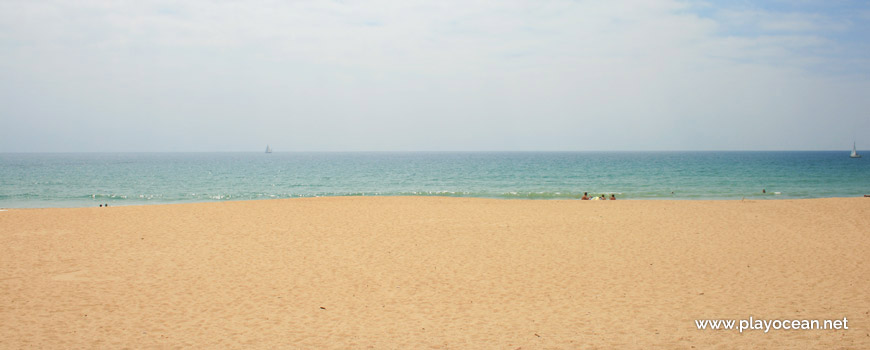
185 197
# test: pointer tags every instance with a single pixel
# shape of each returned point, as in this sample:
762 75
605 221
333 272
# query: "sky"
382 75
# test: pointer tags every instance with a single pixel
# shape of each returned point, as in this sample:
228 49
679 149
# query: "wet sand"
439 273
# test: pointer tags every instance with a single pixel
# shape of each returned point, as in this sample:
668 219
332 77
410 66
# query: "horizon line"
441 151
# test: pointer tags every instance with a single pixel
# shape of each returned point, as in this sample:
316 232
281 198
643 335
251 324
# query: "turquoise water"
88 179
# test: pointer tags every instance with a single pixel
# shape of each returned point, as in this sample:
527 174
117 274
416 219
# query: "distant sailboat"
268 149
854 152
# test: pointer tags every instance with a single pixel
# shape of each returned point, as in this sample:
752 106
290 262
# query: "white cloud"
326 75
768 22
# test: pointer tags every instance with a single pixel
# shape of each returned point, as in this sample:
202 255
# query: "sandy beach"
438 273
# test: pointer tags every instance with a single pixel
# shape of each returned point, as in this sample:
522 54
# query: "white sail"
268 149
854 152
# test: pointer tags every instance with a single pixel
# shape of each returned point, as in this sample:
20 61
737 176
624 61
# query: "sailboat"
268 149
854 152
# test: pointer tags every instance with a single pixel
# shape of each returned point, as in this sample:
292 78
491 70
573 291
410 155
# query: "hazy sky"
468 75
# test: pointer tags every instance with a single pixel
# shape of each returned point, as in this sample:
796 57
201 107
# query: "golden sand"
417 273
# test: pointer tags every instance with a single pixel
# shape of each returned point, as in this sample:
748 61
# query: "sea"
39 180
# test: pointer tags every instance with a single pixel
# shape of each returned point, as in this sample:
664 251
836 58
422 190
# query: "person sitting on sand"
612 197
585 196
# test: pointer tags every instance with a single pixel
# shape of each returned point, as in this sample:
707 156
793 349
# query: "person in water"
585 196
612 197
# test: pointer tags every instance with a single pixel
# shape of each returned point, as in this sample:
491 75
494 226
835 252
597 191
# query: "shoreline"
96 205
